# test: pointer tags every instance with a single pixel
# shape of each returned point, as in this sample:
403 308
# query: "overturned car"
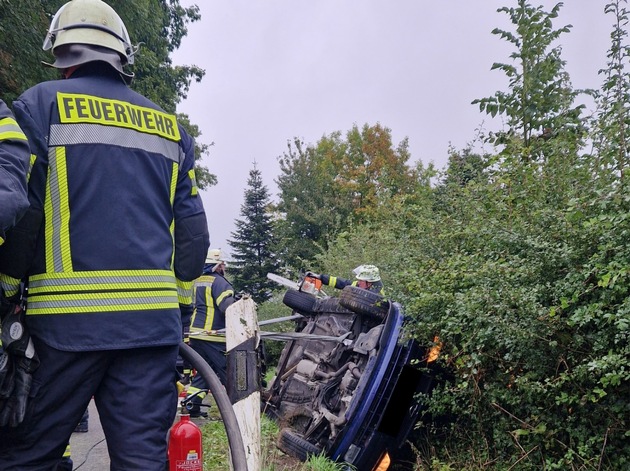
346 384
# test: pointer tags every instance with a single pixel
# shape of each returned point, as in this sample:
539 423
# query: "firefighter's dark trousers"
214 354
135 394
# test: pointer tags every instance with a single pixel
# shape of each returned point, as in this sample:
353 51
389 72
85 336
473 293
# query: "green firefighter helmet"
368 273
91 23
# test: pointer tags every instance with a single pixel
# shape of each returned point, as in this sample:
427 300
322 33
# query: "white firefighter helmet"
214 256
367 273
92 23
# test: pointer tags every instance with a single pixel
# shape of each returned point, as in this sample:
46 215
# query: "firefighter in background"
366 277
212 295
114 179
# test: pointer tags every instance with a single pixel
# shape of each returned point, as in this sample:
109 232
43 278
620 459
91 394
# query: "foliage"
612 125
540 97
518 261
23 26
326 187
158 26
253 241
322 463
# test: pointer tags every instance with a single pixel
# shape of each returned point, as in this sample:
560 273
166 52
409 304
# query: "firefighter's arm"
14 161
338 283
226 300
191 227
17 252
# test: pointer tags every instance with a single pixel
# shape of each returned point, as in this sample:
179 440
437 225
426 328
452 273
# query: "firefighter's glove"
6 376
14 407
310 274
20 361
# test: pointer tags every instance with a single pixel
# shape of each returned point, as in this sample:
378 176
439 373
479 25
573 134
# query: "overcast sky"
279 69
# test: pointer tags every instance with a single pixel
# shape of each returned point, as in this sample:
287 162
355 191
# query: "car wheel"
299 301
363 301
330 306
297 446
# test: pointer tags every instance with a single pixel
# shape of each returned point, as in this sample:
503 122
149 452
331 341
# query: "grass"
216 451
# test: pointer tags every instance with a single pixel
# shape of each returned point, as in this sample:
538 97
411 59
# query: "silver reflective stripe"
206 284
135 300
113 280
68 134
55 202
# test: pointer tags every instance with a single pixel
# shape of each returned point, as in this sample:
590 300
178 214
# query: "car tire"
330 306
297 446
365 302
299 301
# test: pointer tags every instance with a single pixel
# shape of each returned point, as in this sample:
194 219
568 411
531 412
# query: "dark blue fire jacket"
114 179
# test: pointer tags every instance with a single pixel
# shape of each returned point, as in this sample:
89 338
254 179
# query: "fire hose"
232 429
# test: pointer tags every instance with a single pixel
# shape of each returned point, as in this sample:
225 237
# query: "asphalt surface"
89 449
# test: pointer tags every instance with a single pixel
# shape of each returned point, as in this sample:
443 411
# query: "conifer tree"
252 242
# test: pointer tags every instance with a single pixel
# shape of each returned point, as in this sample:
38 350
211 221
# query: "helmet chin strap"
67 73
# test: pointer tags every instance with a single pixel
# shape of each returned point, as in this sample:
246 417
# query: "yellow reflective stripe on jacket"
57 213
209 309
210 338
184 291
9 130
10 285
102 291
224 295
30 167
193 180
172 200
332 281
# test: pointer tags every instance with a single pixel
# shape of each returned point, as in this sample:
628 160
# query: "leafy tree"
253 241
157 25
612 126
305 220
326 187
539 101
23 26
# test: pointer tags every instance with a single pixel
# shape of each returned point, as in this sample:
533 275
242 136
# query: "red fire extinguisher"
185 451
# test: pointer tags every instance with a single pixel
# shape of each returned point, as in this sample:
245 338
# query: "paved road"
89 450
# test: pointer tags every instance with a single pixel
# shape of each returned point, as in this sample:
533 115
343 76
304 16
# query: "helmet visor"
53 29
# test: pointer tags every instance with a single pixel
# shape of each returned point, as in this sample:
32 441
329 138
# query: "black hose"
235 439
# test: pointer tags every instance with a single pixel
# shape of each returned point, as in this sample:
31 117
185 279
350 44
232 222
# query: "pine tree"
252 241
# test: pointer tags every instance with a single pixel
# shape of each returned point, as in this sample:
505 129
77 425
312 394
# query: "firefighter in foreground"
366 277
212 295
113 178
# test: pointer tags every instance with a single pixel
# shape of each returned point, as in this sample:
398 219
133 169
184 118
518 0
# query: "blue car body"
356 400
